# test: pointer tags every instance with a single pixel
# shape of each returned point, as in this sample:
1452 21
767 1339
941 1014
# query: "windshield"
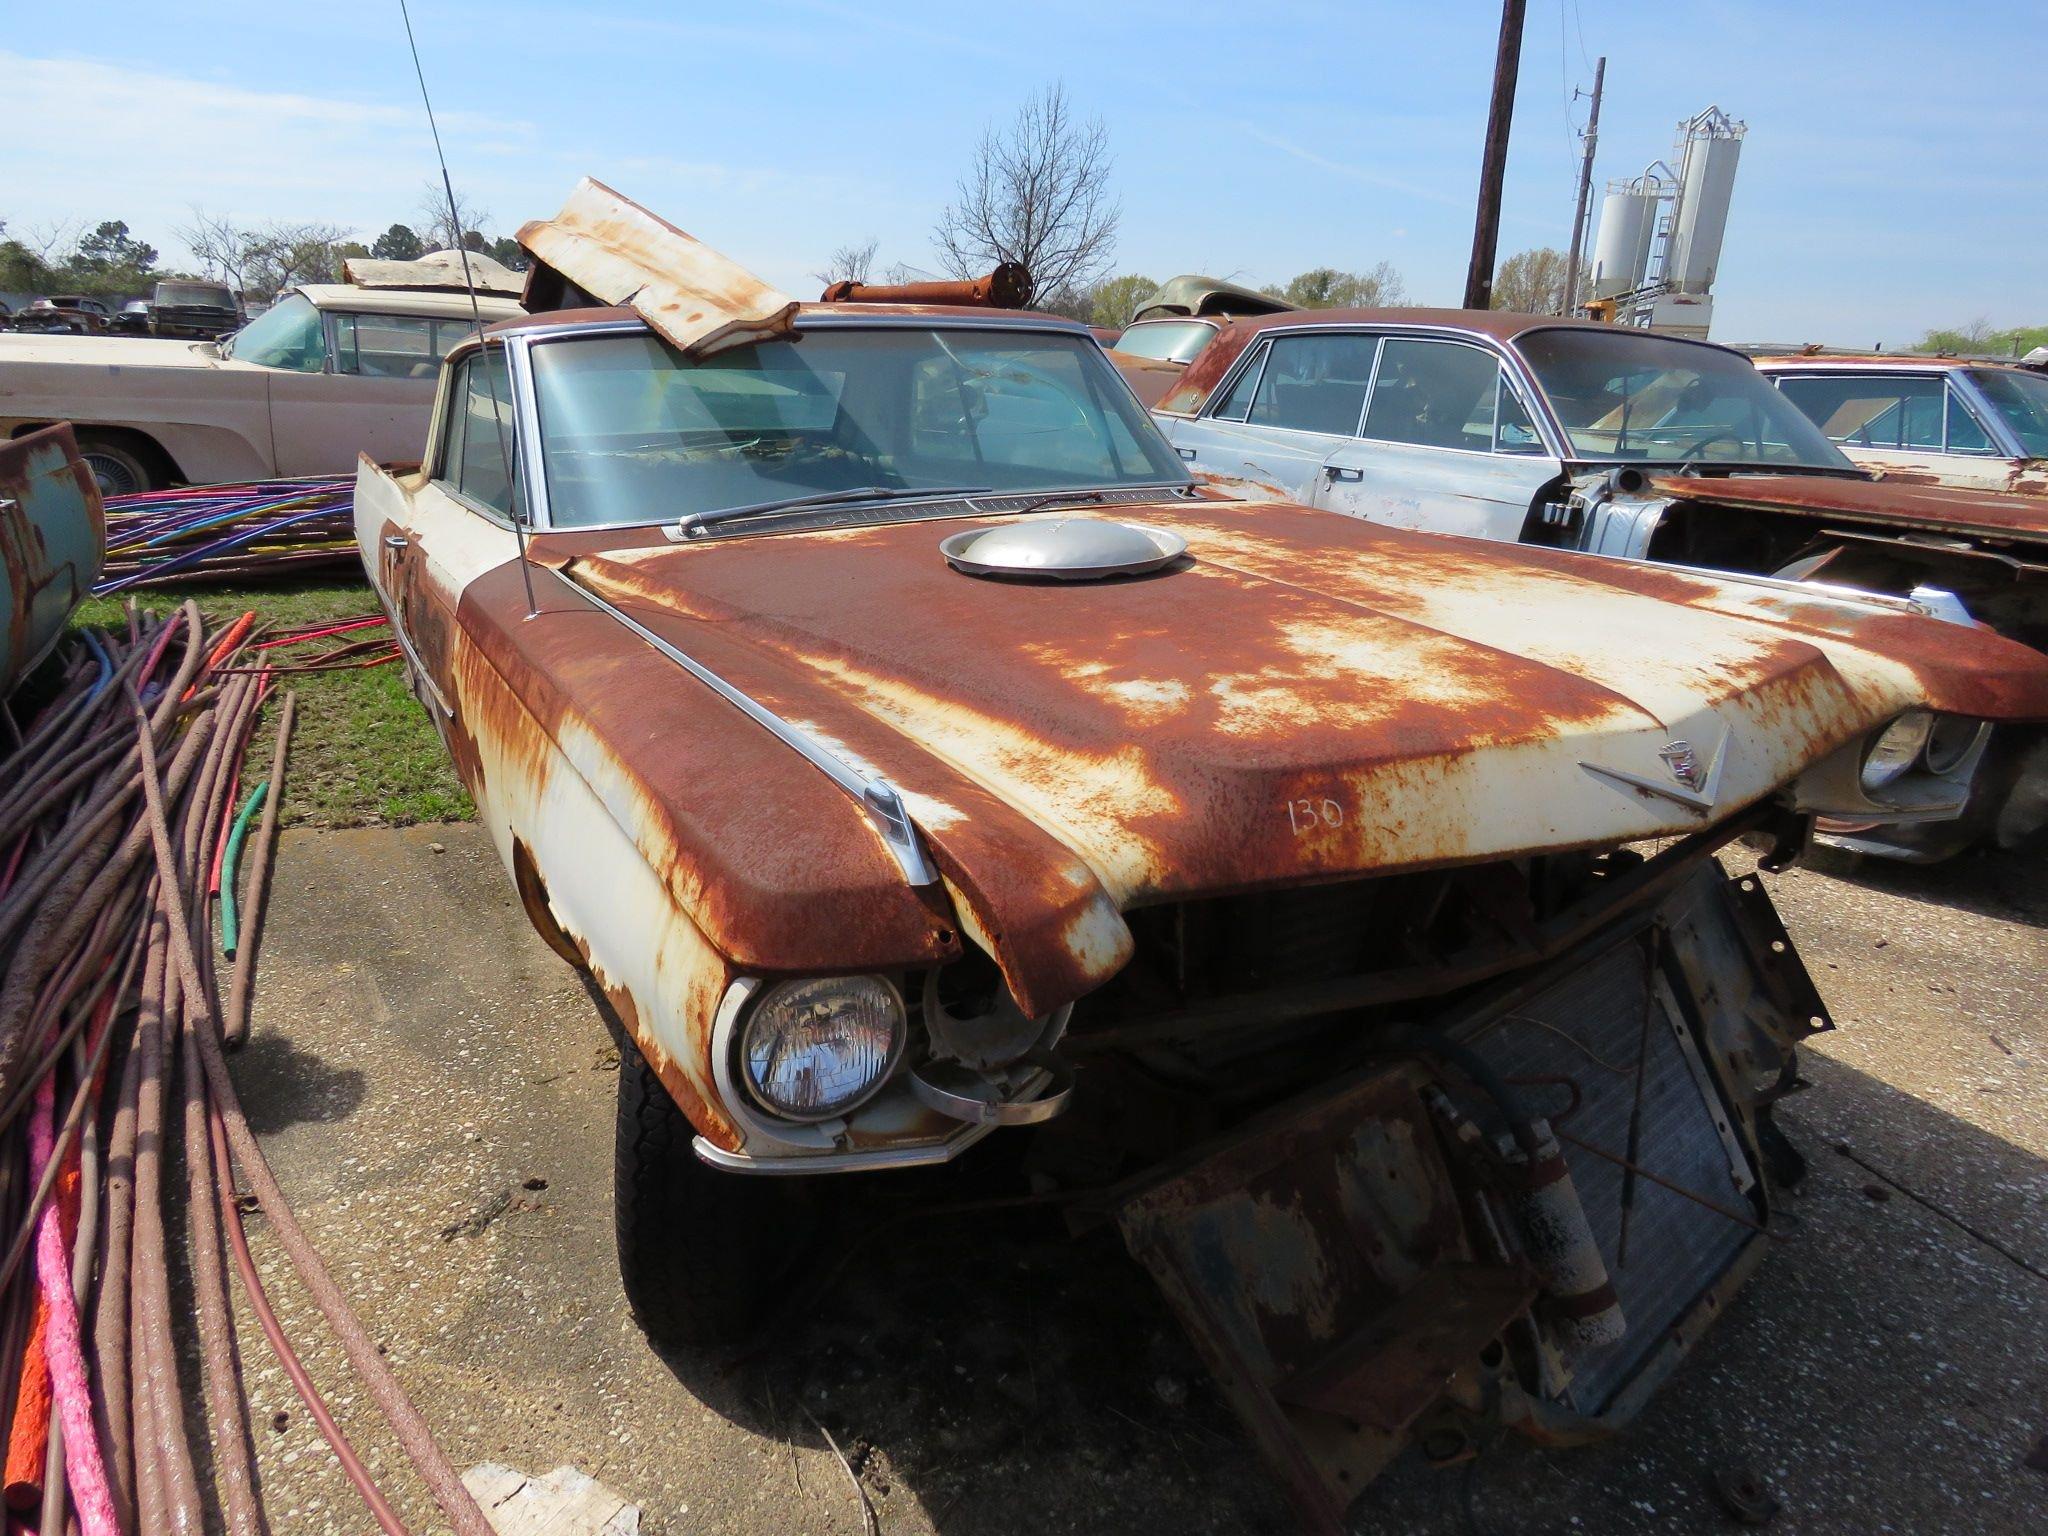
2021 399
286 335
1174 341
196 294
632 432
1630 395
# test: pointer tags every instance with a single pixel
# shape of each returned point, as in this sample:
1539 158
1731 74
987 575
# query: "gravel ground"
436 1093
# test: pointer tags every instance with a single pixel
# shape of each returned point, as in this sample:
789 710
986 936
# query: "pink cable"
90 1496
299 636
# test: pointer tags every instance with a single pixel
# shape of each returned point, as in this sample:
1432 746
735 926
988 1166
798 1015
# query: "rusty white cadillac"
863 699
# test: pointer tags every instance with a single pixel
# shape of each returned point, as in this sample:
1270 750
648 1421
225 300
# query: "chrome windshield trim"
877 796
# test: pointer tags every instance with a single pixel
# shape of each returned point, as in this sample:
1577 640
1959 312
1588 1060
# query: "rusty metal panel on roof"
609 247
435 272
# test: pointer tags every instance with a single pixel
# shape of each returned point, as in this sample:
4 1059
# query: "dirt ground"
436 1092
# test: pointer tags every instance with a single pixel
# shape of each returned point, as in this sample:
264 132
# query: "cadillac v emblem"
1684 764
1695 781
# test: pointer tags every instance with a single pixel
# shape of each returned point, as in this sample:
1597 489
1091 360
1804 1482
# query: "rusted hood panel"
1310 697
1891 503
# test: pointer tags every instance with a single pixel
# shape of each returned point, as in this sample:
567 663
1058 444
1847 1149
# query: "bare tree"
441 231
849 264
267 257
1037 193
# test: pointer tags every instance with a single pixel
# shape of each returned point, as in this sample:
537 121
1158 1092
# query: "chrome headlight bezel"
1895 750
762 1015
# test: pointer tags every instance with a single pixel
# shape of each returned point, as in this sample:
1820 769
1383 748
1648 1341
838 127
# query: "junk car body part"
53 543
66 314
1170 327
1964 422
183 310
1617 442
865 700
328 371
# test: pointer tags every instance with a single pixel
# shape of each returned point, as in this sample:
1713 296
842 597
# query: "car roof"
391 301
1890 362
1500 324
559 319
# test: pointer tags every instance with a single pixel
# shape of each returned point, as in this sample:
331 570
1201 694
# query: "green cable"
234 861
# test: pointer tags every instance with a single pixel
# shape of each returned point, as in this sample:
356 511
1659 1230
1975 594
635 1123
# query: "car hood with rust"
1893 502
1304 697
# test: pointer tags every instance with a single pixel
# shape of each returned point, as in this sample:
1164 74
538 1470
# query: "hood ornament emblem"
1696 776
1684 764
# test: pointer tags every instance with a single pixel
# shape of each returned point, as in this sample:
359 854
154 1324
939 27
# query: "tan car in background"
326 373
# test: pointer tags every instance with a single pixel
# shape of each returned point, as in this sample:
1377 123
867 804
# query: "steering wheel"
1700 444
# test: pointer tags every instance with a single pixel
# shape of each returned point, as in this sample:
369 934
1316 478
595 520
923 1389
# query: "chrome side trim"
878 797
919 1155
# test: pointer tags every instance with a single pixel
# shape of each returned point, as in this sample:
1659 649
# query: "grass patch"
363 751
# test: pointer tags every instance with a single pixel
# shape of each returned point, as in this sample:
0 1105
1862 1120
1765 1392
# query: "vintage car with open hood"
865 700
1621 442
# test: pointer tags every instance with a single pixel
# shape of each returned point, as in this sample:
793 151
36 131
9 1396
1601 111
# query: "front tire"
705 1255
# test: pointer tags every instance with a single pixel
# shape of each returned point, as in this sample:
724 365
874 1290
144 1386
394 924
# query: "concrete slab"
436 1092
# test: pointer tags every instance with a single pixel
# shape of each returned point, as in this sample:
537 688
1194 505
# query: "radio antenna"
476 314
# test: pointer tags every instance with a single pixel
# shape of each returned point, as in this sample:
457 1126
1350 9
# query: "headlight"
816 1049
1897 749
1951 741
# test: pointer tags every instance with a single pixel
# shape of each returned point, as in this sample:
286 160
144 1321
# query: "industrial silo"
1706 182
1628 225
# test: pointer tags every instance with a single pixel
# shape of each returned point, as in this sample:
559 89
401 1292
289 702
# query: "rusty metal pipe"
414 1436
1009 286
236 1028
266 1317
158 1398
234 1454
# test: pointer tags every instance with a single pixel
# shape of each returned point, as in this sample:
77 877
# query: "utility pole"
1507 64
1591 137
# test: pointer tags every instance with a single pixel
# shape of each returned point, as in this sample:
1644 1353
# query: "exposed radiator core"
1589 1027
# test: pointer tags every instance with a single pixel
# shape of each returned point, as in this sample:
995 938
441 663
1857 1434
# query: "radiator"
1589 1027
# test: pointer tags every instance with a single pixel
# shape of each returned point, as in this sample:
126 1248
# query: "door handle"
1340 473
1186 453
396 541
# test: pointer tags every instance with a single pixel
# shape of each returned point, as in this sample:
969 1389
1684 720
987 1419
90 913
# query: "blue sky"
1892 179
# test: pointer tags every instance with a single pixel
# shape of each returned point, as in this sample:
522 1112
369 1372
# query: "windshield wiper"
690 526
1058 496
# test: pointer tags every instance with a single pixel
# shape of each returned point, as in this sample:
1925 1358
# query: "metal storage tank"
1628 225
1706 182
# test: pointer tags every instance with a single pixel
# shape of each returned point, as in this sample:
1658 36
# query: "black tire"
705 1255
118 465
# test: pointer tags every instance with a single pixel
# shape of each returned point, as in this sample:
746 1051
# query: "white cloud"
145 146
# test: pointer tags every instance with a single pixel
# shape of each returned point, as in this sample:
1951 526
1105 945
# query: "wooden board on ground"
564 1502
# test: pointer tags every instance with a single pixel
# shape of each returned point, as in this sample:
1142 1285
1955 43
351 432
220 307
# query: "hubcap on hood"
1062 549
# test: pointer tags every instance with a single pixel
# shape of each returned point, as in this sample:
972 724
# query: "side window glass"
1439 394
1237 404
1964 434
1872 413
1315 383
386 346
481 462
1513 431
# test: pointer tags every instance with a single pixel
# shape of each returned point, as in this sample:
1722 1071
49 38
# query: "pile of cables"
128 943
261 531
